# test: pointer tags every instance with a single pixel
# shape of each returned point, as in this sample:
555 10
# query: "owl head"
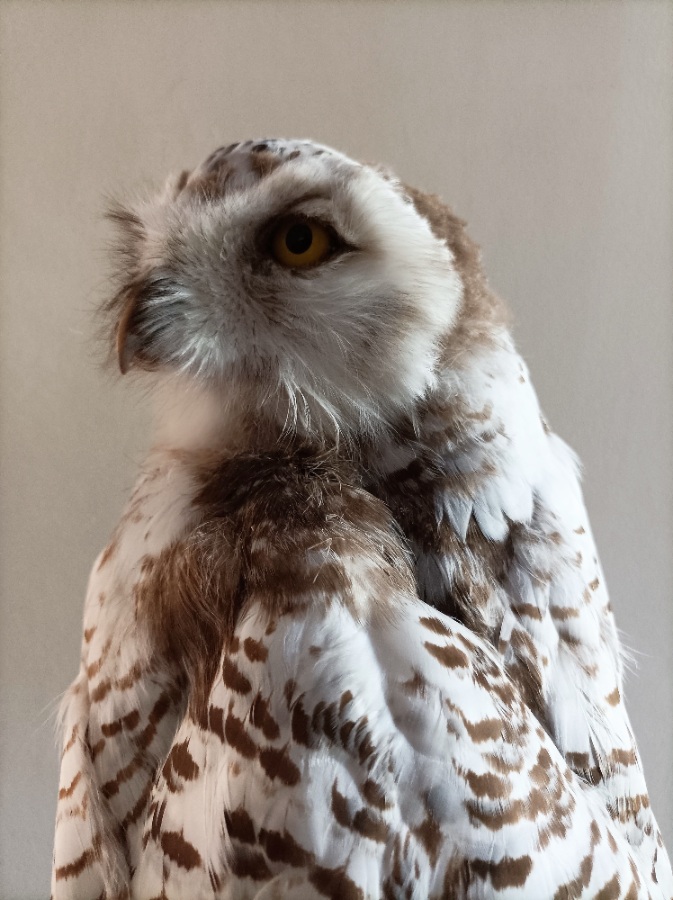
320 289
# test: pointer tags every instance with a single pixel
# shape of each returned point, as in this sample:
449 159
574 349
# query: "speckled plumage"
351 637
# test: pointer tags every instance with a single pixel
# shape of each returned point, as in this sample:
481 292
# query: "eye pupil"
300 243
299 238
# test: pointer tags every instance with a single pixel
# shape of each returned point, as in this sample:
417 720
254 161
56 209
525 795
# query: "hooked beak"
128 342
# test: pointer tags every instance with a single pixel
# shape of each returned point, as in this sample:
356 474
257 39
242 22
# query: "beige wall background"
548 125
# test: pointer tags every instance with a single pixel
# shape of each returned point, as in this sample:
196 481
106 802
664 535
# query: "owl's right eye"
299 243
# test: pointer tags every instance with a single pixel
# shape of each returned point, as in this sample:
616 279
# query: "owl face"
287 269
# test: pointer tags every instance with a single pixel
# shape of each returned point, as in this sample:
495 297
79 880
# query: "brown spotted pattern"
265 706
347 733
489 499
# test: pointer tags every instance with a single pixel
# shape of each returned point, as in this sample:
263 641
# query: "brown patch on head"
210 183
481 310
263 162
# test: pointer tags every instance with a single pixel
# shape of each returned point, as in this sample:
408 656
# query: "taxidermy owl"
350 638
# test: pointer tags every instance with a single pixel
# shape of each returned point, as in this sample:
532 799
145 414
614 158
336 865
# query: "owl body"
348 741
351 637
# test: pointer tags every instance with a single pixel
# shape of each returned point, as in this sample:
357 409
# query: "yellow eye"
300 243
